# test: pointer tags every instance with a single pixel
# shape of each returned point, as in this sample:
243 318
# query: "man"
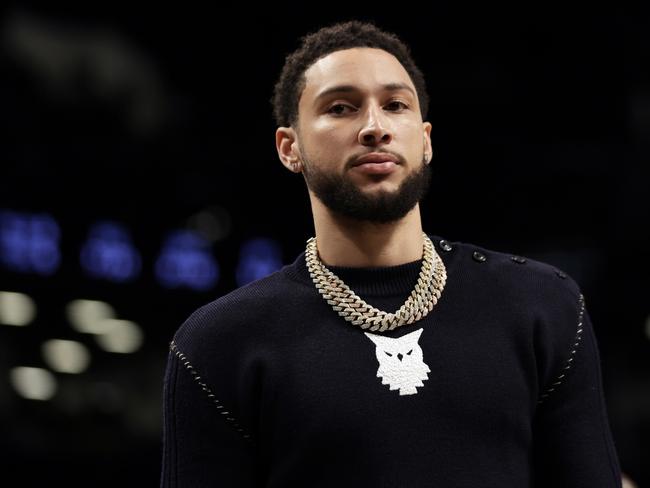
383 356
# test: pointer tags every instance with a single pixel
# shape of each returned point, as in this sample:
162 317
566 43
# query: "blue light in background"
258 257
109 253
185 261
29 243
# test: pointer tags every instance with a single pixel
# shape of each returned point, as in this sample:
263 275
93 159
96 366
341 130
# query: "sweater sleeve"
573 445
202 445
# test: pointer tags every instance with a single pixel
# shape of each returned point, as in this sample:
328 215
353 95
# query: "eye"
397 102
410 351
331 109
388 353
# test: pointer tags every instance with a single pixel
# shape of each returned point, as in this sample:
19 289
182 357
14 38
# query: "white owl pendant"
401 364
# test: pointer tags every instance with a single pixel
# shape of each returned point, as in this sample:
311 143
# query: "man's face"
378 112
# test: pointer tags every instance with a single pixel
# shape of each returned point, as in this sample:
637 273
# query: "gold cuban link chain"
427 291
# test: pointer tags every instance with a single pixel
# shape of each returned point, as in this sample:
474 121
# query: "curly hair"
336 37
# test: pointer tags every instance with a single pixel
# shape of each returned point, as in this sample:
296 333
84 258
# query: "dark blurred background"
140 179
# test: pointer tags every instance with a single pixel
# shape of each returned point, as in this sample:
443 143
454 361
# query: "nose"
375 129
400 356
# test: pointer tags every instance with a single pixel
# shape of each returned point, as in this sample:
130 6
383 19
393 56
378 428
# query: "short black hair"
336 37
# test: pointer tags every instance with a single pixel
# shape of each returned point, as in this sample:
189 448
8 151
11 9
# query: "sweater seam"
569 361
214 401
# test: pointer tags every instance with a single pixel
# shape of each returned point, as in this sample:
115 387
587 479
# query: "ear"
286 143
374 338
414 336
428 149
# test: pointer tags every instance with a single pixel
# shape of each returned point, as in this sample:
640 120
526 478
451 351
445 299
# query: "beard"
344 198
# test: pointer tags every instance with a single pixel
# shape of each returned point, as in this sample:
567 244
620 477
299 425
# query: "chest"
442 376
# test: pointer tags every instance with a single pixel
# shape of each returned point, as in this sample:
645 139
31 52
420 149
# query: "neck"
346 242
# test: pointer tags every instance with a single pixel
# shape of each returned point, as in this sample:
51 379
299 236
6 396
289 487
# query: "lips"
376 158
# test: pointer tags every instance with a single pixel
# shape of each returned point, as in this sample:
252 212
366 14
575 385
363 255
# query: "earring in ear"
427 158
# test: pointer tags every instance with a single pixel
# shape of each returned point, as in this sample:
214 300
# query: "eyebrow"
352 88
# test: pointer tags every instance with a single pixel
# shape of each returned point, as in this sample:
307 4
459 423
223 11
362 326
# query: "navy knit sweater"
268 386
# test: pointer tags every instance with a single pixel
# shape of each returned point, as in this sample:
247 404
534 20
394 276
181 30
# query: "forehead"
365 68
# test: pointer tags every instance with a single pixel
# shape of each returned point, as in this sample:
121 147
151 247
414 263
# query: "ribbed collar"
386 280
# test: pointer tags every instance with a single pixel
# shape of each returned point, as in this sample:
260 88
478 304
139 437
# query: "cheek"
318 149
415 128
325 140
416 138
327 132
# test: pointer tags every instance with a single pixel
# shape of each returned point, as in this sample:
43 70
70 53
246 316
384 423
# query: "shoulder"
233 318
510 276
541 300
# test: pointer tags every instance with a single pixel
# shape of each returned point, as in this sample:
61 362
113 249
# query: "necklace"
427 291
